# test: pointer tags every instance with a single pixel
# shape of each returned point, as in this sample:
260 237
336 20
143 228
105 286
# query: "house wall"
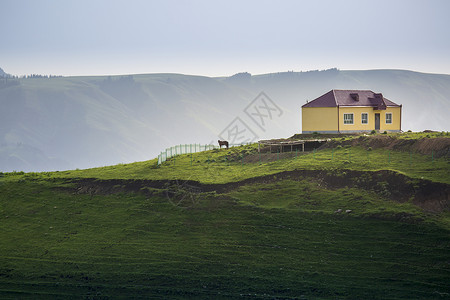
319 119
357 125
396 119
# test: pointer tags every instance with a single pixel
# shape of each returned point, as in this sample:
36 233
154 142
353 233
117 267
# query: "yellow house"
348 111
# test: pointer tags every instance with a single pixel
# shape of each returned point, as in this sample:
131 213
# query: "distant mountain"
80 122
3 74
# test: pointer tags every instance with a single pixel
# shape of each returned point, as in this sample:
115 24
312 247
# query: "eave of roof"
366 98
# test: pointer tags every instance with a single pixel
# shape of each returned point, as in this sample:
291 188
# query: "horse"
223 143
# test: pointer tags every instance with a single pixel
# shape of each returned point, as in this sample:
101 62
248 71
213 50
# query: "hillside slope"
79 122
346 221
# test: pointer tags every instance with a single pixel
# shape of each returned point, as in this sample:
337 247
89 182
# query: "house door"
377 121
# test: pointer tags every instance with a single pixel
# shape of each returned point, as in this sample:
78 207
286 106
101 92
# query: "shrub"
385 132
373 132
369 149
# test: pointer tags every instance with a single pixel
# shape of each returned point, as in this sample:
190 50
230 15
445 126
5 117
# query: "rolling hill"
361 217
79 122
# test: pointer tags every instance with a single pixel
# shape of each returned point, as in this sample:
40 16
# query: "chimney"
378 95
355 96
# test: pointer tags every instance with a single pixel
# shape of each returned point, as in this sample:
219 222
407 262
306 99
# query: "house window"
388 118
348 118
364 118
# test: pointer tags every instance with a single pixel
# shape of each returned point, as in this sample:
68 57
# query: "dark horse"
223 143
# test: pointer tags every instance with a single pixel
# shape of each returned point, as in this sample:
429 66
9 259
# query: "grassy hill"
62 123
225 224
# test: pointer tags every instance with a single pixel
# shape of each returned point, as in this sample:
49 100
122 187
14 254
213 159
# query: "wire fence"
186 149
183 149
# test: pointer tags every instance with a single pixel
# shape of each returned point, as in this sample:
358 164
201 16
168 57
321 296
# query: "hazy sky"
215 38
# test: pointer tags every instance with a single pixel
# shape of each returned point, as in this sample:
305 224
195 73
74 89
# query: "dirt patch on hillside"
439 146
93 186
430 196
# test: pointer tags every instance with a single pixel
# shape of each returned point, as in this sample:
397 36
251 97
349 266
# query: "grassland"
235 164
277 238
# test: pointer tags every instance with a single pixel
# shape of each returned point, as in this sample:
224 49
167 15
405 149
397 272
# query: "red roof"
351 98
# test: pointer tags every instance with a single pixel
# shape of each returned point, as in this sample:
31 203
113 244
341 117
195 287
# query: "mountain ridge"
3 73
87 121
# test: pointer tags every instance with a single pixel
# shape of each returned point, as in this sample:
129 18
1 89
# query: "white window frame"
386 118
367 114
346 122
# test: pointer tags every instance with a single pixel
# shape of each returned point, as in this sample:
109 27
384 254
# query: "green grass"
275 239
420 135
54 243
309 196
222 166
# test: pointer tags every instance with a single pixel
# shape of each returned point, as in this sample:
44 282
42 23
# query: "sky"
221 38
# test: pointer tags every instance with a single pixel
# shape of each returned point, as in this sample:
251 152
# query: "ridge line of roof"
334 96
